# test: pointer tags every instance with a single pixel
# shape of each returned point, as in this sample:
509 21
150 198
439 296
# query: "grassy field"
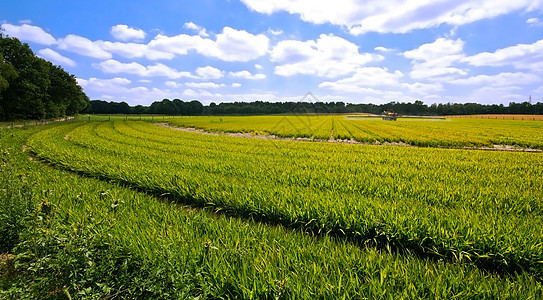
418 132
266 219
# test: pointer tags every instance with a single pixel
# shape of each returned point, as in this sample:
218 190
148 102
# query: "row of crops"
473 207
157 250
418 132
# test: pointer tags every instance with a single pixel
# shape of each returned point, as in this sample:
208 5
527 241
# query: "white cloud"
383 49
239 45
120 89
204 85
433 61
329 56
209 72
521 56
397 16
180 44
247 75
124 33
236 84
192 26
441 47
496 94
56 57
364 78
103 85
172 84
230 45
258 67
157 70
201 31
534 22
499 80
29 33
83 46
134 50
275 32
379 82
424 89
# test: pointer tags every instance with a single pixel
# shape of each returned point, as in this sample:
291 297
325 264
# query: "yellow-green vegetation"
281 220
418 132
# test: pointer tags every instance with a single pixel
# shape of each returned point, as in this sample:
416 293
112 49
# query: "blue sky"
373 51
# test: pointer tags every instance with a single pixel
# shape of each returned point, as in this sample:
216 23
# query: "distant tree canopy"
33 88
164 107
194 108
415 108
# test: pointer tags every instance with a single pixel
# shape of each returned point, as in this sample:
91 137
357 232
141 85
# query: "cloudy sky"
485 51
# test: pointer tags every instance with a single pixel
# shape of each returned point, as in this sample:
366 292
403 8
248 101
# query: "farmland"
262 218
418 132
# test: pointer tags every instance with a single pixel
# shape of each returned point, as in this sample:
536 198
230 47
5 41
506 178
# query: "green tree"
33 88
25 95
7 75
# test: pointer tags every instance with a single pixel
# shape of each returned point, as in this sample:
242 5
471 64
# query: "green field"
413 131
175 214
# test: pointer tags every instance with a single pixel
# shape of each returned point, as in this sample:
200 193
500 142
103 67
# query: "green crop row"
86 238
474 207
417 132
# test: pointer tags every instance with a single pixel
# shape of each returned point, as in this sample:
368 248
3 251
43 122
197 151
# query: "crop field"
418 132
502 117
217 216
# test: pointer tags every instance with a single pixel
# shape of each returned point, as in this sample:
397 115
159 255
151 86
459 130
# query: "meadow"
164 213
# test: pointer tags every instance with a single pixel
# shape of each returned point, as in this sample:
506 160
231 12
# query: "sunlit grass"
188 252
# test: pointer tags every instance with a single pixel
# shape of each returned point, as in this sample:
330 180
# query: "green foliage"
90 239
471 207
164 107
454 133
16 204
37 89
7 73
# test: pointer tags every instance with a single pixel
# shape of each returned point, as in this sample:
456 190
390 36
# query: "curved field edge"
450 133
99 240
486 235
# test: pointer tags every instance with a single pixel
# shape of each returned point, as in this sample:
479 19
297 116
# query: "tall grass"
91 239
470 207
454 133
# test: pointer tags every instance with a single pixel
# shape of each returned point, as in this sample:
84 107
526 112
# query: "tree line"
33 88
164 107
194 107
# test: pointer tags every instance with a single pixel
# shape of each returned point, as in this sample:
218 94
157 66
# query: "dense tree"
65 96
194 107
7 74
33 88
163 107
